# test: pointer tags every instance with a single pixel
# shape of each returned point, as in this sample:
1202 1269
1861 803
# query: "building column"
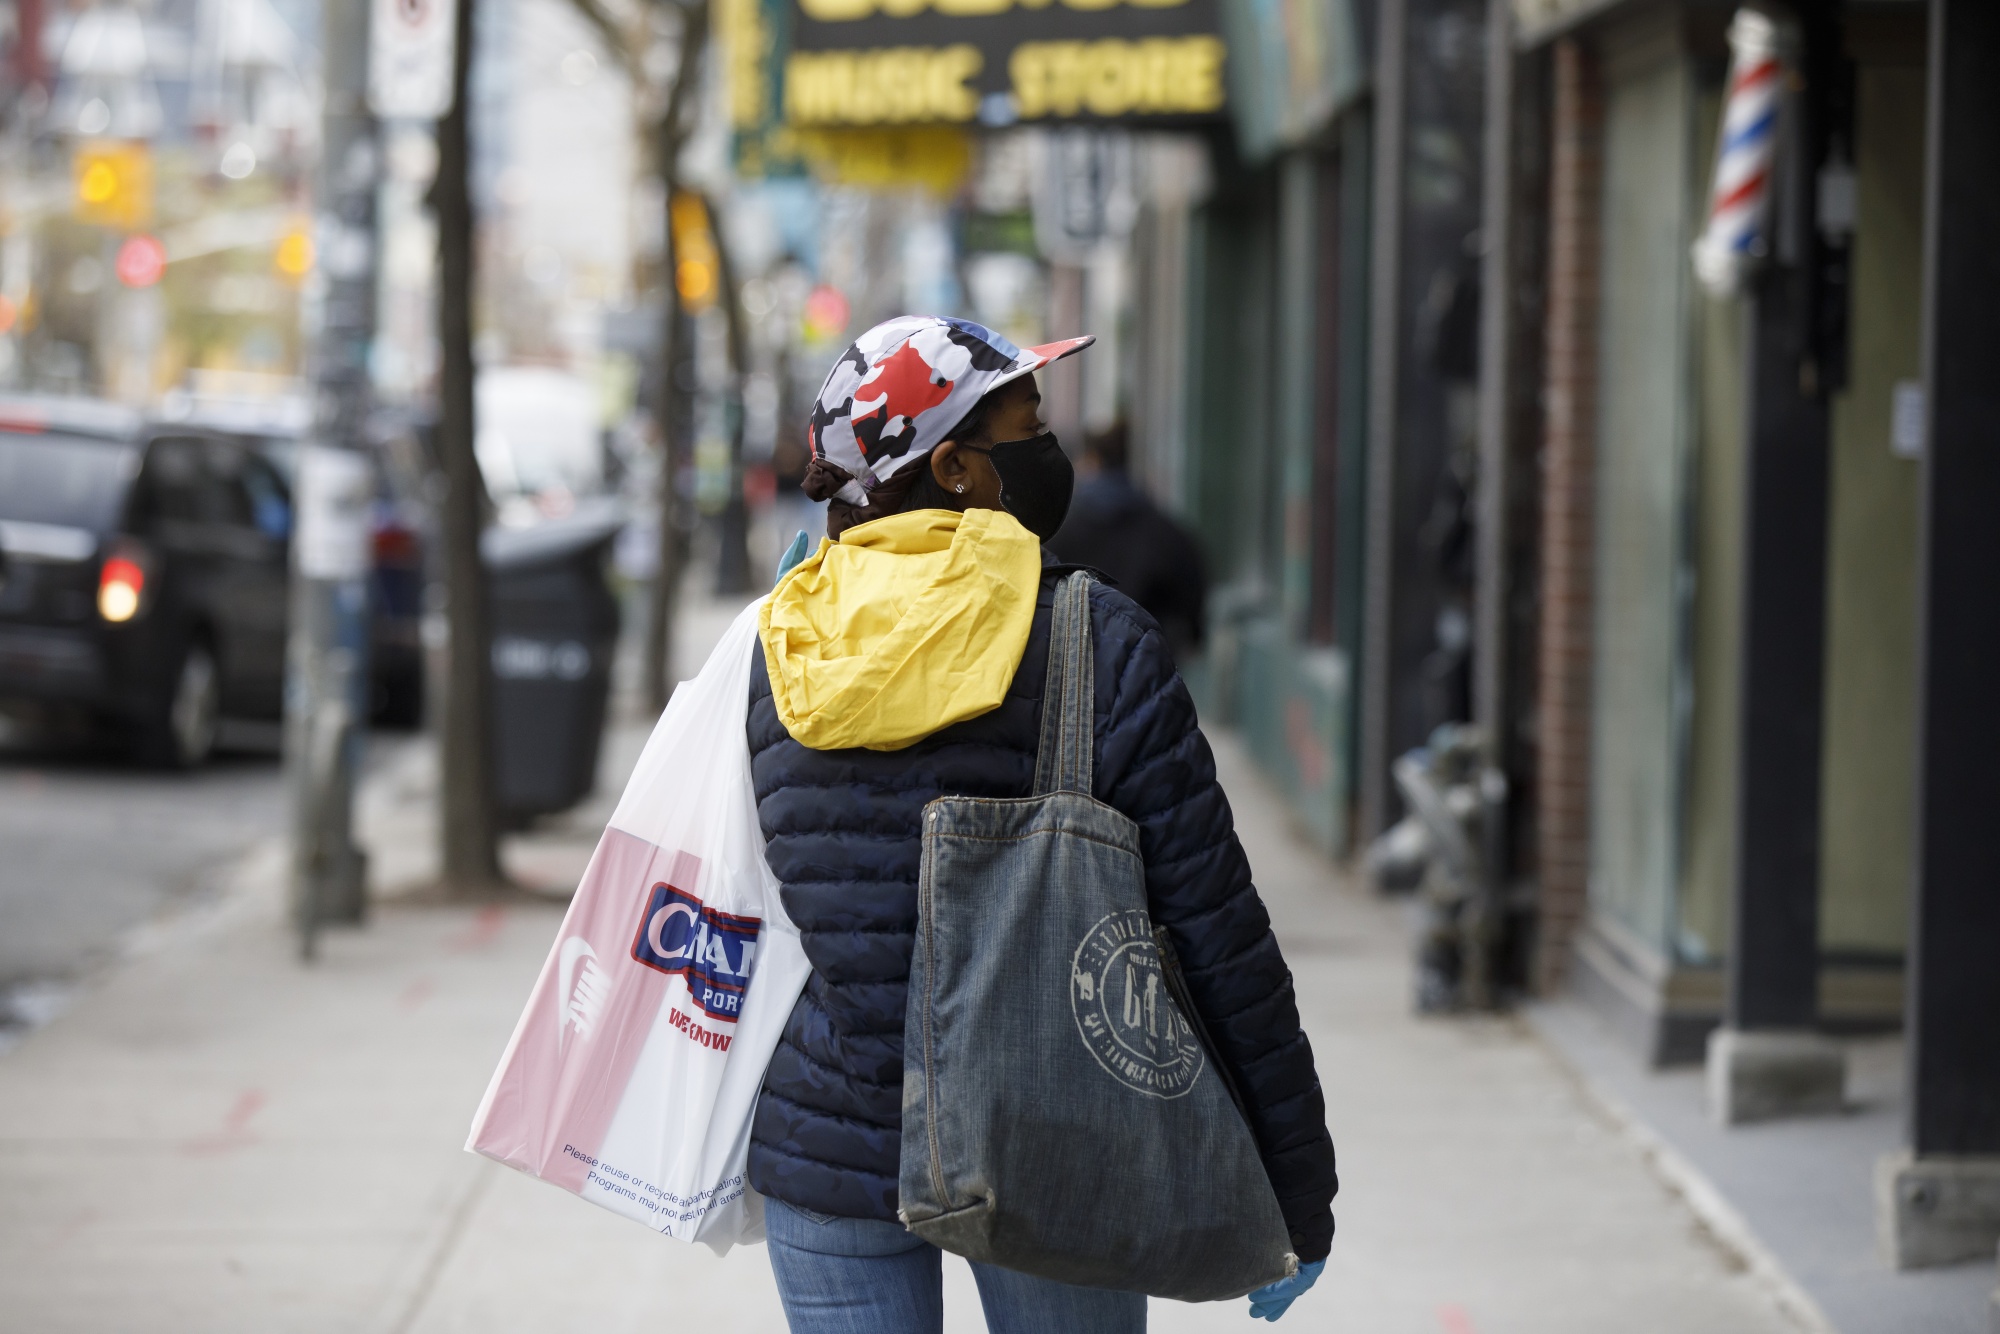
1428 111
1569 505
1939 1201
1767 1060
1496 378
1513 292
1377 801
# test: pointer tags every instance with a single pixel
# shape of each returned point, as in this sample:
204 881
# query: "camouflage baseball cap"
899 389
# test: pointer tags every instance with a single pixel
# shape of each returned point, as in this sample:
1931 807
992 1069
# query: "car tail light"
121 586
396 545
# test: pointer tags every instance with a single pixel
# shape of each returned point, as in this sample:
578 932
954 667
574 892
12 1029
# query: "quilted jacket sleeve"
1154 765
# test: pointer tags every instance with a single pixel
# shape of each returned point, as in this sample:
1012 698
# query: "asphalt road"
92 848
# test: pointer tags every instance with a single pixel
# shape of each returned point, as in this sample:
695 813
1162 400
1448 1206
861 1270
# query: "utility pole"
675 412
327 658
732 565
471 829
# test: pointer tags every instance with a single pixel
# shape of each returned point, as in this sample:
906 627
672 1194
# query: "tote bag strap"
1069 703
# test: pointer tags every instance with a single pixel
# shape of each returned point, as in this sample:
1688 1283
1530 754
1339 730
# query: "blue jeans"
861 1276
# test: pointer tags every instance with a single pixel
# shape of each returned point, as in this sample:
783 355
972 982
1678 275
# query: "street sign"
141 262
409 58
1086 195
335 493
889 157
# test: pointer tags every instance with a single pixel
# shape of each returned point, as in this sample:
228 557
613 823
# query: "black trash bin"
554 626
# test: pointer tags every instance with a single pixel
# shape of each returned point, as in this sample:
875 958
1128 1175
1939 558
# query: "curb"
248 883
1708 1204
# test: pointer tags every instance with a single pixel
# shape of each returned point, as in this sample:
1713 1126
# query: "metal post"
1940 1203
327 658
732 564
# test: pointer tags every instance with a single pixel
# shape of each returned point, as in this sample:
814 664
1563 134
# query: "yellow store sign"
852 63
1154 76
897 86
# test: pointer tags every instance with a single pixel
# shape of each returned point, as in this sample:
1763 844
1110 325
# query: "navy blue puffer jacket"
842 831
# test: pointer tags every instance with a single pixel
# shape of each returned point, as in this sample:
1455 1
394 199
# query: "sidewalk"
1804 1186
219 1139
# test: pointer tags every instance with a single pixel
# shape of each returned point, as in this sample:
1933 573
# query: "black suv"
143 574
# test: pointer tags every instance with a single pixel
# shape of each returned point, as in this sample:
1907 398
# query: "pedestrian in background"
1115 528
904 661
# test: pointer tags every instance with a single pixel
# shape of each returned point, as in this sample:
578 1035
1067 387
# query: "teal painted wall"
1257 357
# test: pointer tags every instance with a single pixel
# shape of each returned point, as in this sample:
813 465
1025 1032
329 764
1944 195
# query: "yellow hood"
906 625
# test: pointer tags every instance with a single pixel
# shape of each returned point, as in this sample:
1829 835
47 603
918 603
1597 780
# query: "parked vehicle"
540 445
145 574
396 617
275 426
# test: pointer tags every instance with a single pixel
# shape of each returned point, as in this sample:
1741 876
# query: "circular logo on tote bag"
1118 993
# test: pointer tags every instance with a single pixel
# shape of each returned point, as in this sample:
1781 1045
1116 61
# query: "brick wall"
1562 785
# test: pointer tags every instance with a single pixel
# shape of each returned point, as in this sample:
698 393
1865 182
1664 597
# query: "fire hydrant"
1447 849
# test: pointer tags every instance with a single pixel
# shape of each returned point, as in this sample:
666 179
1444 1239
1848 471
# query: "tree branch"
621 44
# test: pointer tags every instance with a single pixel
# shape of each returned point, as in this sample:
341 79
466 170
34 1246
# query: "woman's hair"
912 487
925 492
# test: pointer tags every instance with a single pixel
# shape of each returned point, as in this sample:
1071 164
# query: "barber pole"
1739 204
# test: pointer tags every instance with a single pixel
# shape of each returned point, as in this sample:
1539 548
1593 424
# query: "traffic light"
294 256
141 262
114 184
696 264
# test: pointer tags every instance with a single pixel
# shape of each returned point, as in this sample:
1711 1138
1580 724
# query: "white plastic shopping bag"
632 1076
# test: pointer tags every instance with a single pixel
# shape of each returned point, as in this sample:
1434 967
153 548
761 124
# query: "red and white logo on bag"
715 951
582 989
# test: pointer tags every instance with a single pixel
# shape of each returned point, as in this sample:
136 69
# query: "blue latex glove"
800 548
1274 1299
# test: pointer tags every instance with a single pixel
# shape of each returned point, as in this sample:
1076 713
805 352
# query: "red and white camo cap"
898 390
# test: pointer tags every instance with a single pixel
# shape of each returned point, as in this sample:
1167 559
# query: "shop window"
1639 695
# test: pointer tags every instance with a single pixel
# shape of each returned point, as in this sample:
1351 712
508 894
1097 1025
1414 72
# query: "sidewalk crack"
446 1245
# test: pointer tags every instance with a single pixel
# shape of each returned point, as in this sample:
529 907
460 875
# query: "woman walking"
903 662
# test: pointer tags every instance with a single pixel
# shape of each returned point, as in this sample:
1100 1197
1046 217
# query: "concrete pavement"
1803 1186
217 1139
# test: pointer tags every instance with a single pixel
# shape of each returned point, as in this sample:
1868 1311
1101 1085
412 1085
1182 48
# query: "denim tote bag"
1063 1113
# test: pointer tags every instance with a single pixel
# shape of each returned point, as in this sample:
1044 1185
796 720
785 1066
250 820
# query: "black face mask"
1036 479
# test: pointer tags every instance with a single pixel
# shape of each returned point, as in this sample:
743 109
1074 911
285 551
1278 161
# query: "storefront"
1667 628
1335 300
1756 653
